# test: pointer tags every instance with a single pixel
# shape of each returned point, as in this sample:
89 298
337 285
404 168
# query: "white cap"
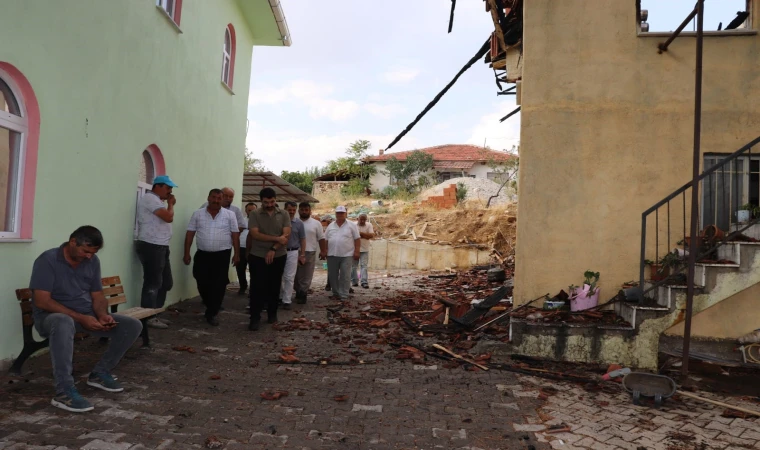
340 209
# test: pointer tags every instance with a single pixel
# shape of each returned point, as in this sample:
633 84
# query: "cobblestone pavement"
607 420
211 398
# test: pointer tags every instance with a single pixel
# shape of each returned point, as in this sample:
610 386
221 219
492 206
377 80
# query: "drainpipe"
282 24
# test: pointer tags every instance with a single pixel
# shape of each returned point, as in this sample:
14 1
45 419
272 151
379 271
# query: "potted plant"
656 270
745 212
582 298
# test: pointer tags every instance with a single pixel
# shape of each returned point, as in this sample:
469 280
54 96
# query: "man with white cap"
343 246
154 231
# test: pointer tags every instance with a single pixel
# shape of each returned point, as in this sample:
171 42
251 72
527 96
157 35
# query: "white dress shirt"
314 233
340 239
213 234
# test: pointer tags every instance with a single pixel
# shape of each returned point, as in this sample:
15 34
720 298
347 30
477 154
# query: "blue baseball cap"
164 179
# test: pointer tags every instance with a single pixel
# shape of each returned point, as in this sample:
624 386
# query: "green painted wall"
111 78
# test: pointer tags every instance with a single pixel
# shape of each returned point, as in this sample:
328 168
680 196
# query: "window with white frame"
228 56
172 8
14 128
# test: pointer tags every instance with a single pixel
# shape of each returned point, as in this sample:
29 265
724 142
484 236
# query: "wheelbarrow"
640 384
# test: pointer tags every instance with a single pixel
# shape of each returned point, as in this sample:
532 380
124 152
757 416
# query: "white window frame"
227 57
168 5
19 125
142 189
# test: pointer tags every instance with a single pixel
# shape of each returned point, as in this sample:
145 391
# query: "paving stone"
97 444
102 435
371 408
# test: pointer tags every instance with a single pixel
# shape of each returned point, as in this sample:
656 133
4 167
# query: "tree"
252 164
352 165
412 174
302 180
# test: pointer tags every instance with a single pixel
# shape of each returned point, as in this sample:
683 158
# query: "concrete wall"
606 132
112 78
729 319
386 255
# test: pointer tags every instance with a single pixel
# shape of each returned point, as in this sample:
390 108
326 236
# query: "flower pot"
657 272
742 215
581 300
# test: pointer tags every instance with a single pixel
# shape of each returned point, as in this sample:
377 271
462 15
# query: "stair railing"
726 172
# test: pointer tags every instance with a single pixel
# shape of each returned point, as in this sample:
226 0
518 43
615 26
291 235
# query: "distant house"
449 161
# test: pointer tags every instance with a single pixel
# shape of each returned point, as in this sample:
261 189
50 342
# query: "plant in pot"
656 271
662 269
587 296
746 212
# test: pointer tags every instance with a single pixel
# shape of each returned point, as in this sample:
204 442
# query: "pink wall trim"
233 42
159 166
177 11
29 100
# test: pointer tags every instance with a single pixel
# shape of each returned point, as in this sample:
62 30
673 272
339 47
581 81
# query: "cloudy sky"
364 70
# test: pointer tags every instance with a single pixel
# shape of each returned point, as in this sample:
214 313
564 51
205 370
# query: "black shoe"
254 324
221 308
355 284
212 321
242 290
351 290
327 287
287 306
365 286
272 318
301 300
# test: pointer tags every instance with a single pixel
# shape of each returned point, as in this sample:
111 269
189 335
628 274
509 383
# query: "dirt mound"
493 227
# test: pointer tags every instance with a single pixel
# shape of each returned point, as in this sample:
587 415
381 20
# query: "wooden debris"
444 349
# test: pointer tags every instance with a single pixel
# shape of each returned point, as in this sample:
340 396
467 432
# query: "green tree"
412 174
302 180
252 164
353 166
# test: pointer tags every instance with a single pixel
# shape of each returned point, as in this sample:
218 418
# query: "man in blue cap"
154 231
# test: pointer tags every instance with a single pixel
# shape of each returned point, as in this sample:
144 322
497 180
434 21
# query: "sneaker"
355 284
287 306
104 381
254 324
71 401
153 322
162 320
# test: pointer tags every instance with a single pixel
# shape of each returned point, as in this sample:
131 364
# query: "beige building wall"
607 131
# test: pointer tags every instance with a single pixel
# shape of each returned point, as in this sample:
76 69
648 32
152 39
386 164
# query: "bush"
461 192
355 187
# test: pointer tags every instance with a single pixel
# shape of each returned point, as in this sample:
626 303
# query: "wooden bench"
114 293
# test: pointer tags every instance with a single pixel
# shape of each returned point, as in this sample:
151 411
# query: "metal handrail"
666 201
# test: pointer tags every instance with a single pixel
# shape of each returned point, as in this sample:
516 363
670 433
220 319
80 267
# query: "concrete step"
635 314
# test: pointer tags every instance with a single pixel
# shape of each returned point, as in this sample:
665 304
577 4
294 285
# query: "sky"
364 70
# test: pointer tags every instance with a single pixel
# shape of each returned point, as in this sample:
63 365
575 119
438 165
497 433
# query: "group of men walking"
279 249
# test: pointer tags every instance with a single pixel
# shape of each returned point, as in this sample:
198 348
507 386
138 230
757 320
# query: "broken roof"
254 182
450 152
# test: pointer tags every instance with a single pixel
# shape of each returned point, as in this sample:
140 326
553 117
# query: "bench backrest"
112 289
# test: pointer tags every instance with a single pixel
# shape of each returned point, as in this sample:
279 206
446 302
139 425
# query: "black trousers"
240 268
157 274
265 284
210 272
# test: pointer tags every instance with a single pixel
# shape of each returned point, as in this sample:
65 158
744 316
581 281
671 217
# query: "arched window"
19 134
151 165
228 56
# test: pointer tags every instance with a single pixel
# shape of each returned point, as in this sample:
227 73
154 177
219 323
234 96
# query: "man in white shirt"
366 232
228 195
243 263
154 231
315 240
343 246
218 236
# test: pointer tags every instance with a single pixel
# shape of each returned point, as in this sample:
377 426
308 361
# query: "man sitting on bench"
68 298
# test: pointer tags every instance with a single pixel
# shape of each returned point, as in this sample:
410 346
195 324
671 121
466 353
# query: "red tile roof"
449 152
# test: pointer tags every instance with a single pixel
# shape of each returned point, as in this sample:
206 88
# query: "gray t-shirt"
69 286
297 232
151 228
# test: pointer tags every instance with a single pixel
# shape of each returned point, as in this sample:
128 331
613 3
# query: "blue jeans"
60 329
361 264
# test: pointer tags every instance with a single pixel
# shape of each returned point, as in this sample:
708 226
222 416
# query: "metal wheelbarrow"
640 384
